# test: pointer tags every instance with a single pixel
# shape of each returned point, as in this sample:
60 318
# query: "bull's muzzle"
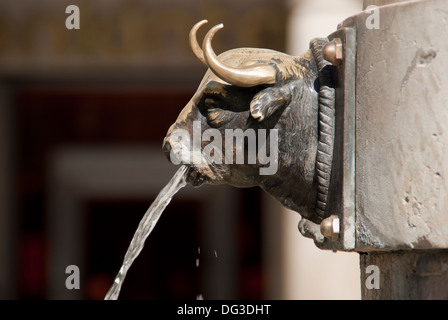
177 152
167 147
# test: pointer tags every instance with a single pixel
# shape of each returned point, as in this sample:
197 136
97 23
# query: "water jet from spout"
146 225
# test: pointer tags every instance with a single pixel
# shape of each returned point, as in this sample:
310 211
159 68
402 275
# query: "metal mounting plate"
341 197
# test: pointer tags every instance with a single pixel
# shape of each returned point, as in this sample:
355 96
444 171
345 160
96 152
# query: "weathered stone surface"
401 120
406 275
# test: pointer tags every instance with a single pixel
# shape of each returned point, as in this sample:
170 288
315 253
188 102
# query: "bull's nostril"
166 147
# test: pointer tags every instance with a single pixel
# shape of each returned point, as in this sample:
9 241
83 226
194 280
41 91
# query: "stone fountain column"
389 194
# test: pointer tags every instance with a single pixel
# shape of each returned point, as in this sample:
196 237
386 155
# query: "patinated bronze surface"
264 89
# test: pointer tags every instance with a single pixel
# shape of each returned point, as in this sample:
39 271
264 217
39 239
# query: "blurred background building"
82 118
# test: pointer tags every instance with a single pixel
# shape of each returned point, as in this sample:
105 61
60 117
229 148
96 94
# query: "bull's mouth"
197 178
205 173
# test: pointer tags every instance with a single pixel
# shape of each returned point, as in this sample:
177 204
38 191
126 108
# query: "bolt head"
332 51
330 227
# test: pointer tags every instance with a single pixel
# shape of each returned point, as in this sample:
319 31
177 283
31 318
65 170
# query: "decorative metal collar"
324 157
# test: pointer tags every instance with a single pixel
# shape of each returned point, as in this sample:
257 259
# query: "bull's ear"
268 101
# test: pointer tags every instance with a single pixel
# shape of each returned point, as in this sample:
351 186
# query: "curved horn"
194 43
243 77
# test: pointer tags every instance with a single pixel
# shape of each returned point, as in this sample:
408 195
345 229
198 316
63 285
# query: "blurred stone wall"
122 33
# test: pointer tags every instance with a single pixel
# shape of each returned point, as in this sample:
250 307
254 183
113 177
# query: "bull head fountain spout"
271 99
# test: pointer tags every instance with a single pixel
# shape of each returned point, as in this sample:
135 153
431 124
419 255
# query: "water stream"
146 225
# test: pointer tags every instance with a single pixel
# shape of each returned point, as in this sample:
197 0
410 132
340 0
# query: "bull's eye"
215 112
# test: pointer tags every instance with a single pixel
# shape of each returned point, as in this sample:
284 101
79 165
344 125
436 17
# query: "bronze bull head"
256 90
